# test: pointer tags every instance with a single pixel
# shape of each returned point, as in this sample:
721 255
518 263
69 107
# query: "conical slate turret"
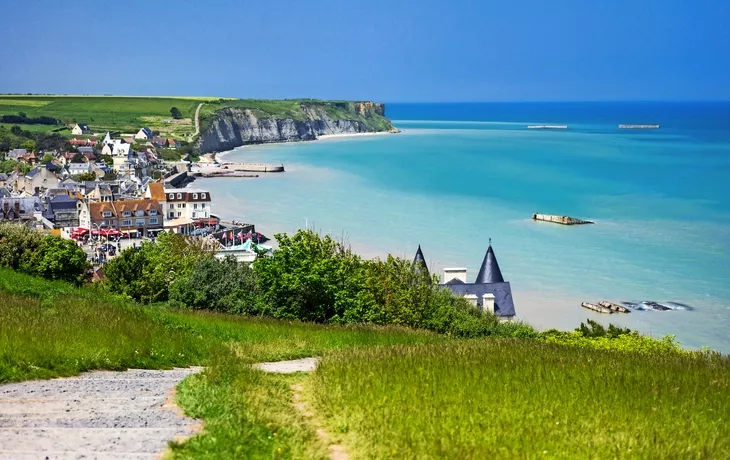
489 271
419 259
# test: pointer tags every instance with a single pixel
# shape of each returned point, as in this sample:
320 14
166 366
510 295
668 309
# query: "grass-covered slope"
107 113
509 398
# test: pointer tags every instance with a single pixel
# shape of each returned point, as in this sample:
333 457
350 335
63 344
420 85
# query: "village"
109 193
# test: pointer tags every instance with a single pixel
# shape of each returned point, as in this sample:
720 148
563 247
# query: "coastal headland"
229 124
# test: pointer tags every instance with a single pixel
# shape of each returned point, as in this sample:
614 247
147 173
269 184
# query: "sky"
387 50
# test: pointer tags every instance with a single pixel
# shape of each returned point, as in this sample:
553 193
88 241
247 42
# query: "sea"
460 175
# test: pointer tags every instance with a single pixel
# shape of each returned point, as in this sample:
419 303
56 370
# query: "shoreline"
218 156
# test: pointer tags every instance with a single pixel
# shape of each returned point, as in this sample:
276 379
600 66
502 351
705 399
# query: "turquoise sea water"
460 174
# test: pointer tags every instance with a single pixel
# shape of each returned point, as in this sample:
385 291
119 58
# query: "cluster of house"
124 197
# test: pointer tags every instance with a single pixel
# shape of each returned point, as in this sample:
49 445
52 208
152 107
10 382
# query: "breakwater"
563 220
638 126
253 167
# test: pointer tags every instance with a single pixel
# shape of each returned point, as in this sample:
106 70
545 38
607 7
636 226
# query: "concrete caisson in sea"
563 220
638 126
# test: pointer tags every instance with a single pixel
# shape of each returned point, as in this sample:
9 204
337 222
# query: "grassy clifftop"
107 113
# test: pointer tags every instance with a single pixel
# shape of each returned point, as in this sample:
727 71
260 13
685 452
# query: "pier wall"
563 220
253 167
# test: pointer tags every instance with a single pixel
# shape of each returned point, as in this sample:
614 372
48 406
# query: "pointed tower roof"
489 271
420 259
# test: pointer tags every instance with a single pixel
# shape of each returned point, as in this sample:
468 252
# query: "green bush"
314 278
146 273
219 285
32 252
17 245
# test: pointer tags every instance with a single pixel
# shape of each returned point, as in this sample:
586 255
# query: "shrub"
223 286
59 259
17 244
315 278
146 273
32 252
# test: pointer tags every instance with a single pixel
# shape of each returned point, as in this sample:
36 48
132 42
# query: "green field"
383 392
107 113
524 399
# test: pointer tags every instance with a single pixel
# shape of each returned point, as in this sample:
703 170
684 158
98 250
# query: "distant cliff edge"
227 124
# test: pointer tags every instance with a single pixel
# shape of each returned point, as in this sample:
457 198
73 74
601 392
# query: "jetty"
253 167
547 127
225 173
638 126
613 306
594 307
563 220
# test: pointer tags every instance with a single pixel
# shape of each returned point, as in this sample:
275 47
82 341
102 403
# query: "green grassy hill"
109 113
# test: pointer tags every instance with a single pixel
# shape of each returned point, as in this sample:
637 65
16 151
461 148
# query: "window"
140 221
202 195
171 216
127 222
107 214
153 220
127 213
179 196
172 196
179 206
178 214
195 215
195 196
195 206
202 205
153 212
139 213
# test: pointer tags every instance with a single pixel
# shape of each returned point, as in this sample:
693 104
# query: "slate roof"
17 153
32 173
489 272
52 167
503 303
62 202
419 259
147 132
3 177
488 281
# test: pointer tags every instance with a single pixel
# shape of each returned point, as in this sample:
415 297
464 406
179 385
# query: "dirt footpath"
98 415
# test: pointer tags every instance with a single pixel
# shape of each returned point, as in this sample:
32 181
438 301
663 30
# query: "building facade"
144 216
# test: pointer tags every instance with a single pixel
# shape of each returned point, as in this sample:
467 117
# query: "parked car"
108 249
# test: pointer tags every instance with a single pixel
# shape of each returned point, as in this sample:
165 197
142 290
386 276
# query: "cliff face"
232 127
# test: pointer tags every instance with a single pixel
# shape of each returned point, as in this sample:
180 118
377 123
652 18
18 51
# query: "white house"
180 207
74 169
144 134
80 128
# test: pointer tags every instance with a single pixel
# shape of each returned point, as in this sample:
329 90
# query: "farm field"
108 113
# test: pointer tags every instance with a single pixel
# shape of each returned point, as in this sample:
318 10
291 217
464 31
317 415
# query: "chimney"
471 298
455 273
488 303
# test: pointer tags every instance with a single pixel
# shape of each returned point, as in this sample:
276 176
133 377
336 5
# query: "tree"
78 158
175 112
59 259
107 159
310 277
224 286
47 158
28 145
145 274
85 177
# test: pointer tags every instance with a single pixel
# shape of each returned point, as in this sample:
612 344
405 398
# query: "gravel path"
98 415
289 367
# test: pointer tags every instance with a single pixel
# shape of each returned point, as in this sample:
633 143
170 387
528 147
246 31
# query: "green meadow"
382 392
104 113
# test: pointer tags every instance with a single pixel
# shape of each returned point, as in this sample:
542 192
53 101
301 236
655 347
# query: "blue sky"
390 50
